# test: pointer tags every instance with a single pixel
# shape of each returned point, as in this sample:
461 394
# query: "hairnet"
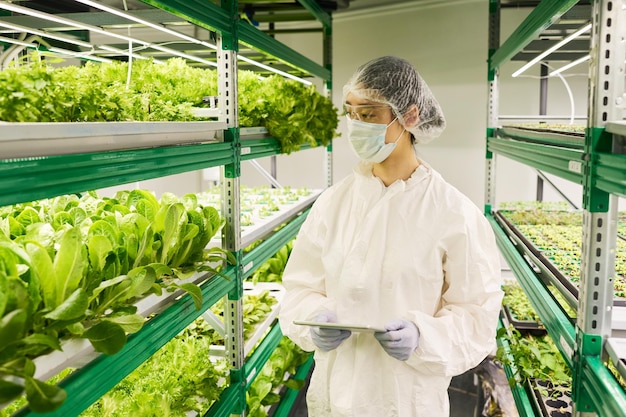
395 82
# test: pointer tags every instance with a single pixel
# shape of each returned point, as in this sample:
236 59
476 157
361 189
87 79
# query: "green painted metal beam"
270 246
256 39
557 323
227 401
320 14
260 148
199 12
555 160
88 384
28 179
290 395
606 394
520 395
611 173
542 17
261 354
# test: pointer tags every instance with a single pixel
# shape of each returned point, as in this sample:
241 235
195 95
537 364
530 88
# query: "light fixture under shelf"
555 47
128 16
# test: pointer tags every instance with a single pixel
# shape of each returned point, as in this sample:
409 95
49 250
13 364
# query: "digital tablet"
342 326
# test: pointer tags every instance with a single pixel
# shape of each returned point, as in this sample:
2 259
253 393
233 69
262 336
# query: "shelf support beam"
546 13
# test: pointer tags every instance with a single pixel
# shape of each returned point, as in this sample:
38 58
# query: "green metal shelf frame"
610 173
28 179
542 17
88 384
260 148
599 171
600 385
553 159
320 14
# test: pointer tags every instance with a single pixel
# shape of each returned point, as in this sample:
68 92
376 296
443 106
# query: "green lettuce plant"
73 266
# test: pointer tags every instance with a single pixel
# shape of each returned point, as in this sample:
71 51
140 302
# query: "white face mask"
368 140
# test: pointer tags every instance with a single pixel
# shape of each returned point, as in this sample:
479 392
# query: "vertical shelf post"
233 306
492 103
328 87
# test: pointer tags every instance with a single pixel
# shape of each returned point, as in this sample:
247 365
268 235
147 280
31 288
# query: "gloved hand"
400 340
328 339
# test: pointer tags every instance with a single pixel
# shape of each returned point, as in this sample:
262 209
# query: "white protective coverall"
417 250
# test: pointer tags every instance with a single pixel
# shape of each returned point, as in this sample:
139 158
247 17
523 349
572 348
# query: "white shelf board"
260 227
616 348
24 140
617 128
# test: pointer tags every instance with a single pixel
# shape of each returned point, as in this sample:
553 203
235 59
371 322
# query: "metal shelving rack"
108 154
600 169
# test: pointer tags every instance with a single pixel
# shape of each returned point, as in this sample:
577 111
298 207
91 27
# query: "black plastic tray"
567 283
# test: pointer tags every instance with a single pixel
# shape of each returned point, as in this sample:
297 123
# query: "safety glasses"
370 113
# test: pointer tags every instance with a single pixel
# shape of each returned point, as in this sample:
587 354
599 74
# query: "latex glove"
400 340
328 339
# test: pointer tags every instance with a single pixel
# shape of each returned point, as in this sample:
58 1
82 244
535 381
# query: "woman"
395 247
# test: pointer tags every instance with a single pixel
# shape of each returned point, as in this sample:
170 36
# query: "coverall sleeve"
462 332
304 281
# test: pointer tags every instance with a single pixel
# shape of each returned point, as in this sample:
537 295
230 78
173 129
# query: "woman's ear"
411 117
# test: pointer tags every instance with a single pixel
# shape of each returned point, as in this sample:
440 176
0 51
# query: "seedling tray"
555 404
539 253
550 135
534 328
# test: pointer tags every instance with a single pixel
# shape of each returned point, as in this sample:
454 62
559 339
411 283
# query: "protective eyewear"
370 113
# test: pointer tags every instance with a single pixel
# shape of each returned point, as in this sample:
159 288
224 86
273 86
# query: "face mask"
368 140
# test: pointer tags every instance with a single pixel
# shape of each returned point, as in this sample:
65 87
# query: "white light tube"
277 71
122 52
570 65
161 28
81 55
43 34
59 51
71 23
67 39
548 51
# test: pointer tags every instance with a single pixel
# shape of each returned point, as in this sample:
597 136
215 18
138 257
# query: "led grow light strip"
164 29
570 65
158 27
548 51
72 23
44 34
277 71
56 50
66 39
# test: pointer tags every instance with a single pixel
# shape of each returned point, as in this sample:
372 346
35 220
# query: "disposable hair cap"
395 82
